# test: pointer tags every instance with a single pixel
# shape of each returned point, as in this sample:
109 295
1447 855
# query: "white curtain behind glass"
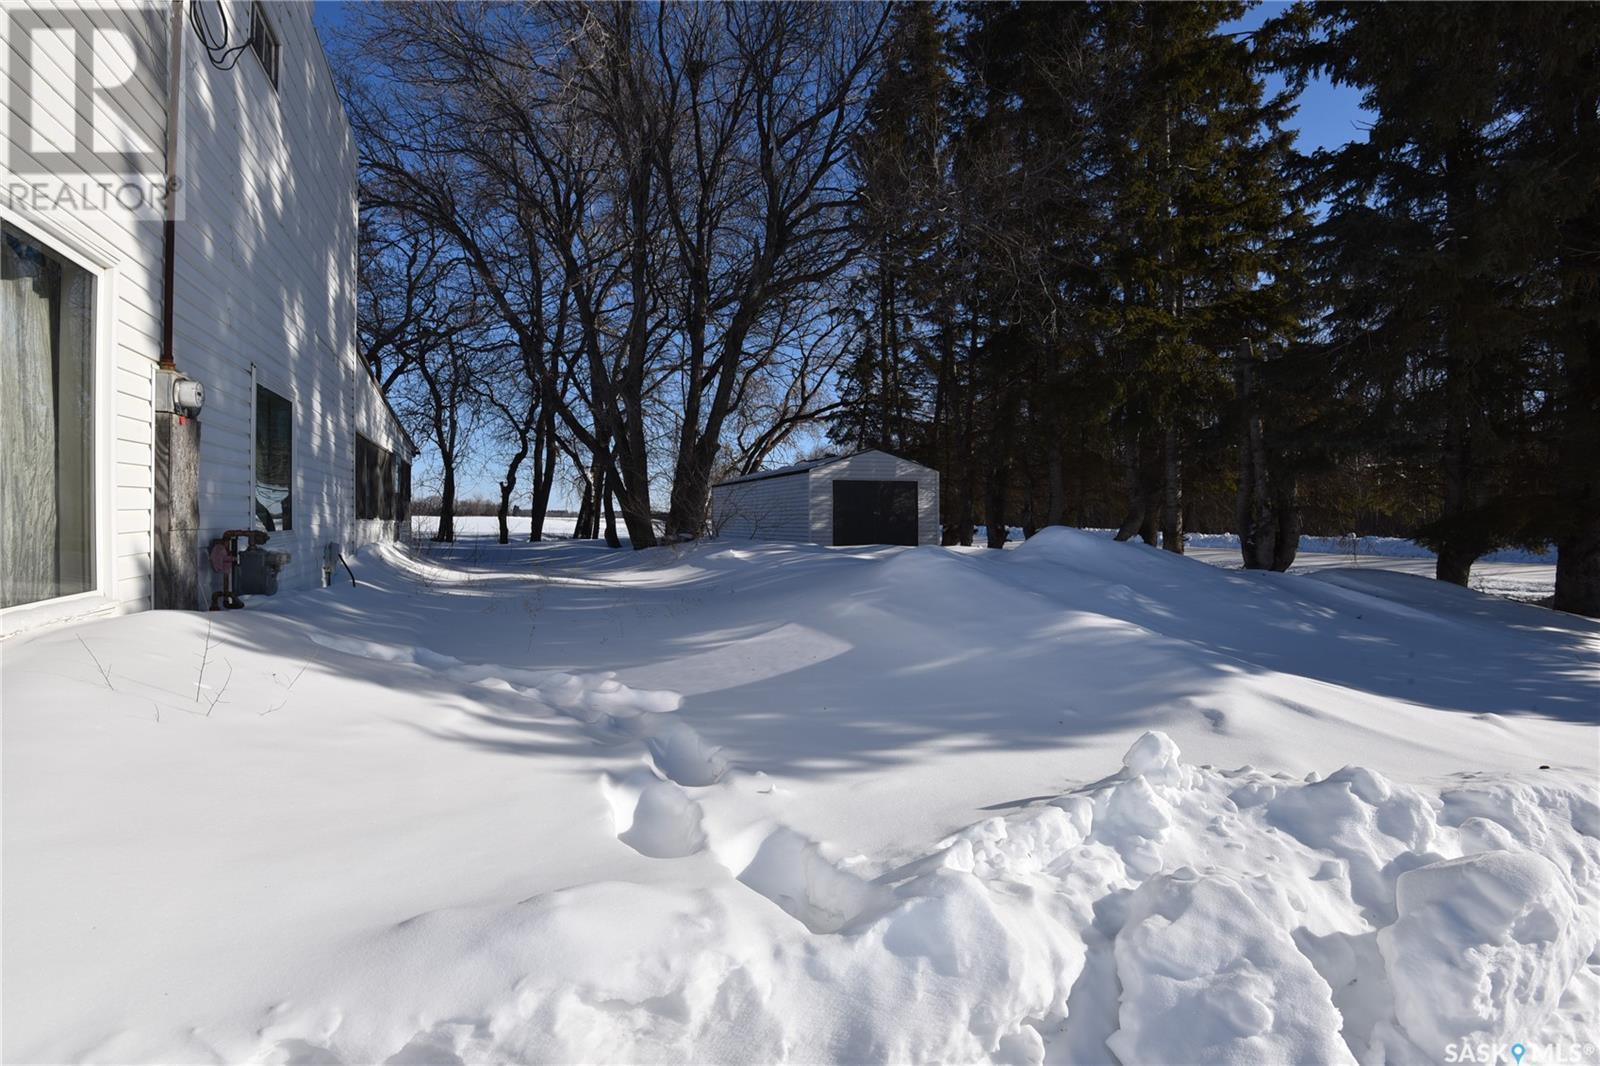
46 424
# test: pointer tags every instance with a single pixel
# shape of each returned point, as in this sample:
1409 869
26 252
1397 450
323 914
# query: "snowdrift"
764 803
1169 914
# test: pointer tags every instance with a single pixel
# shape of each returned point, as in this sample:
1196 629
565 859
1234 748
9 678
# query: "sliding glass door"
46 422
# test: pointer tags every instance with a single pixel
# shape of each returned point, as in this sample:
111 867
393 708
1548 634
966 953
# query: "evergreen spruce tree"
1425 313
1550 225
1258 317
899 159
1196 214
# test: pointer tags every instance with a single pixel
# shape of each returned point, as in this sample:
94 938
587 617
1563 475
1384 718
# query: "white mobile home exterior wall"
264 282
125 255
376 421
798 506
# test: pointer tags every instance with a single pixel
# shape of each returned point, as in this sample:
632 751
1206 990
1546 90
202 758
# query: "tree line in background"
614 235
1067 254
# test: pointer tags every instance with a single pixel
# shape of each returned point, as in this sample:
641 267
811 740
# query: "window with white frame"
264 41
383 482
47 476
274 461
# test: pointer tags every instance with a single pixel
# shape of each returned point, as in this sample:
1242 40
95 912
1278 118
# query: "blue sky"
1328 116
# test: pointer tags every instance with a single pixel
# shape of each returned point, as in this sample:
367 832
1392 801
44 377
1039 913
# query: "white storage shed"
869 497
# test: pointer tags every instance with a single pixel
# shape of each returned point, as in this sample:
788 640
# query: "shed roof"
803 467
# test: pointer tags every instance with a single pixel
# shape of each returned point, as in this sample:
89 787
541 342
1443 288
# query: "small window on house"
274 461
402 502
382 490
366 478
264 42
386 479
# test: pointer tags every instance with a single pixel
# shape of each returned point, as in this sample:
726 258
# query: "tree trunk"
508 486
1578 569
1455 563
1286 508
1133 520
1149 531
689 504
1171 493
999 481
612 540
540 480
1578 548
447 504
544 475
1578 466
583 528
1456 553
995 513
1056 507
942 414
1456 556
628 476
1143 483
503 513
632 497
1252 511
967 512
965 506
688 508
969 444
597 482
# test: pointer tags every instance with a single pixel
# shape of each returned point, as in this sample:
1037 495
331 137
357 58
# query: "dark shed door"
875 512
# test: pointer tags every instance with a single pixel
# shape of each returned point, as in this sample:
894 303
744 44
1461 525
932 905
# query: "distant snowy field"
1078 801
555 526
1515 574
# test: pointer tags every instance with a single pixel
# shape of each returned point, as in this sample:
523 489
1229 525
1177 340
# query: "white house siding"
265 275
873 466
774 508
376 421
125 254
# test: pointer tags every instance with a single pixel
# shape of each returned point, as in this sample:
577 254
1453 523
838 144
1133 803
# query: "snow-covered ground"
1078 801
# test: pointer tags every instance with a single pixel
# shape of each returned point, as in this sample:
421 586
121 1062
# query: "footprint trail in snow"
1129 917
652 812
